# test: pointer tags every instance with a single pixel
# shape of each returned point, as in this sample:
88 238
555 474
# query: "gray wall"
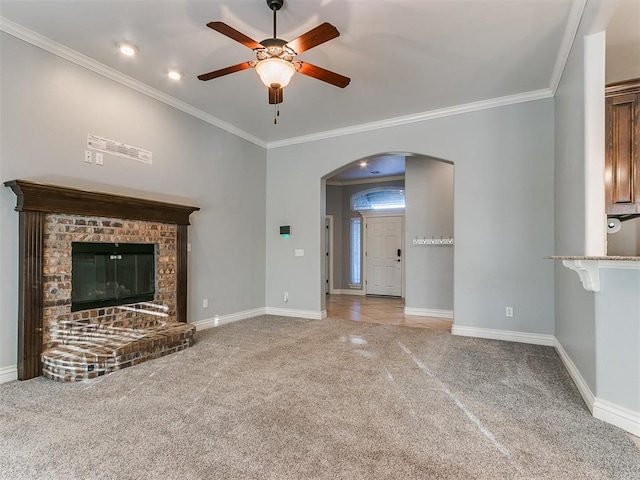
334 207
575 307
503 161
618 338
429 213
49 105
598 331
575 311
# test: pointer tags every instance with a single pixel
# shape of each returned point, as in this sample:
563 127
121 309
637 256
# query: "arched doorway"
427 246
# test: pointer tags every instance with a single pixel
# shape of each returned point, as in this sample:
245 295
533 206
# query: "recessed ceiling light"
363 164
127 48
175 74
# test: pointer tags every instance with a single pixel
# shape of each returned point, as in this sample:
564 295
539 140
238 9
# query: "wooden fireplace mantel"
56 199
34 201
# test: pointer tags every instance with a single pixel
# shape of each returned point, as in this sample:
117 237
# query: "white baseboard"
234 317
224 319
507 335
289 312
8 374
616 415
348 291
582 386
428 312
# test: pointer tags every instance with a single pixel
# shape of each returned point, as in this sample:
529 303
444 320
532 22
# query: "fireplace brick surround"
61 230
65 345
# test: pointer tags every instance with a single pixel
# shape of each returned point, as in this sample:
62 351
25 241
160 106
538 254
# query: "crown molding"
417 117
570 32
67 53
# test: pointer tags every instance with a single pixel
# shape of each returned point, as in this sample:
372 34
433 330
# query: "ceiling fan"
275 57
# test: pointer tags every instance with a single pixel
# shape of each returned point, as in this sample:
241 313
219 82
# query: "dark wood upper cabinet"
622 159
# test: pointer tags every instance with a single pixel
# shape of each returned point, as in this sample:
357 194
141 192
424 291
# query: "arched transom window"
379 198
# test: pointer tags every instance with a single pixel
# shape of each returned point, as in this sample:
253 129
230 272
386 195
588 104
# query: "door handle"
399 252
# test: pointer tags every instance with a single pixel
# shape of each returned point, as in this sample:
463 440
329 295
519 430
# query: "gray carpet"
274 397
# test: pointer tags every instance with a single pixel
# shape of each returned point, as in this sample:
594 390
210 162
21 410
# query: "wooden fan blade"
275 96
324 75
224 71
314 37
234 34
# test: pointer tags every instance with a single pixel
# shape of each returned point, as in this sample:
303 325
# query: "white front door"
383 253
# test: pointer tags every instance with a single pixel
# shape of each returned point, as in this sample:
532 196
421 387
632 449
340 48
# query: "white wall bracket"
588 268
588 271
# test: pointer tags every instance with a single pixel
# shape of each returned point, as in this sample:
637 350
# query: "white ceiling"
623 43
404 57
371 169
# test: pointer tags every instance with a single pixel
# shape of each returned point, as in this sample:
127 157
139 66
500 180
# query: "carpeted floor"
282 398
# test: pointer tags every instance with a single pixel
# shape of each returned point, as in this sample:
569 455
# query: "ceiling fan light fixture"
275 72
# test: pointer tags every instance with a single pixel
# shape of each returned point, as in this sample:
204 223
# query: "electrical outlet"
87 156
286 296
509 312
205 303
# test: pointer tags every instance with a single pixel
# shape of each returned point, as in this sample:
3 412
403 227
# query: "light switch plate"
299 252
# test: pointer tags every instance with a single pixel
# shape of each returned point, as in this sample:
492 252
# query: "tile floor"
387 310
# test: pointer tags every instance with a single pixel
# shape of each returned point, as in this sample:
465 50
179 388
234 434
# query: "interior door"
383 253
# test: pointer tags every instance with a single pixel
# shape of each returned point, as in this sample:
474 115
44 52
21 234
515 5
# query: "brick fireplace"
66 345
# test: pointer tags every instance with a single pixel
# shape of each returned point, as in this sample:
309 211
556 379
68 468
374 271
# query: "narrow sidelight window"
356 229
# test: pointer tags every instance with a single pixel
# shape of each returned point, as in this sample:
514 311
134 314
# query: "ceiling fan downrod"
275 5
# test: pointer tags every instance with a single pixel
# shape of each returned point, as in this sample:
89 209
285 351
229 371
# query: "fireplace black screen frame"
111 274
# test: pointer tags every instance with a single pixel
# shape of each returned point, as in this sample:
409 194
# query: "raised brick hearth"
84 350
65 345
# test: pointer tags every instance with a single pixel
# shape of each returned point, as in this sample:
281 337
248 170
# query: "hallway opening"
381 310
392 235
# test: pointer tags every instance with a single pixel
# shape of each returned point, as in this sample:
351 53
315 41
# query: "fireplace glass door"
108 274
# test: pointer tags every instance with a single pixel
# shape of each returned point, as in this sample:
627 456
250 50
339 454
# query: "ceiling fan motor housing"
274 48
275 4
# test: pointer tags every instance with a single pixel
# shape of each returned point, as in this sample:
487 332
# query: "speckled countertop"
586 257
